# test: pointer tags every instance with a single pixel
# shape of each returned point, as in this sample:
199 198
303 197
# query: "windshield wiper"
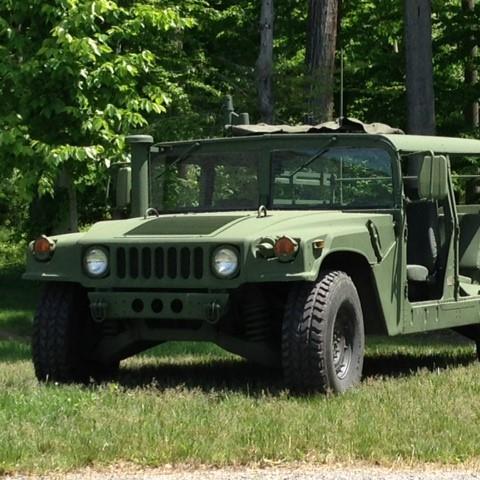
179 159
314 157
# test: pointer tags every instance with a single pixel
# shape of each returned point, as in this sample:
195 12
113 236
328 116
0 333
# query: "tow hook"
213 312
98 310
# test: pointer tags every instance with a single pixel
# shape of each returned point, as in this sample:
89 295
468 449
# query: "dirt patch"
288 472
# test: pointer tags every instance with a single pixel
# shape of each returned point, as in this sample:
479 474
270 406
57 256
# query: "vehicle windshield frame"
264 145
187 150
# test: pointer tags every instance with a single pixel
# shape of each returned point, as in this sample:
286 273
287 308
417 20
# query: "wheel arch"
357 267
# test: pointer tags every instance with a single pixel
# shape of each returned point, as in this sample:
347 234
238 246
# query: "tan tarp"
349 125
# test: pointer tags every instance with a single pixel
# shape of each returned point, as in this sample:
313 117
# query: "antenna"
340 120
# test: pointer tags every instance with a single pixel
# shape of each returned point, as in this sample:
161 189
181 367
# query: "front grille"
159 262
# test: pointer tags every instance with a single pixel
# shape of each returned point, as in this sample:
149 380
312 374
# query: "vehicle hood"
232 226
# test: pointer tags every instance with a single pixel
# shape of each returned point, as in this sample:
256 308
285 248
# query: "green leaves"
77 76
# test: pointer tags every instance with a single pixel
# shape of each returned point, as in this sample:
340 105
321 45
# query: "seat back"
423 235
469 242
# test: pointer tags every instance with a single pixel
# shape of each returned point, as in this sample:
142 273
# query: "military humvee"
283 245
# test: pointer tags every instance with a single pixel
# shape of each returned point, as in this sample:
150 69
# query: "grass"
193 403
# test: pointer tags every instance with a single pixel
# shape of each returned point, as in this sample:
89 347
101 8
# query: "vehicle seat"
469 242
423 236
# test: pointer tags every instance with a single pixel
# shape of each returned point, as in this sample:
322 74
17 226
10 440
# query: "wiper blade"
193 148
310 160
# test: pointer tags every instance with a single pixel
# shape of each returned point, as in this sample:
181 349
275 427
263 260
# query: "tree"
471 111
265 63
76 77
419 67
320 57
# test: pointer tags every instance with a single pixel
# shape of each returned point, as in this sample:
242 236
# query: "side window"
466 179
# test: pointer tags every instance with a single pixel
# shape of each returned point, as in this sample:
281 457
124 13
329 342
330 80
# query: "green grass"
193 403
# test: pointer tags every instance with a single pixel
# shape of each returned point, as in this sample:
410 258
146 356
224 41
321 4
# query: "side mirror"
432 178
123 187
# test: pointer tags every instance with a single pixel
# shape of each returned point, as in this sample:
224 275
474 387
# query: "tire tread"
304 333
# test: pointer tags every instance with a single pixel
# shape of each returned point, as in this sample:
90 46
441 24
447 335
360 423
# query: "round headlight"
96 261
225 262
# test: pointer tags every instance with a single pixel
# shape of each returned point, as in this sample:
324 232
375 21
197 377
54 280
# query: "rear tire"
64 336
323 335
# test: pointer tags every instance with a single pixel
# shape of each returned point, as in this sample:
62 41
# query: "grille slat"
181 263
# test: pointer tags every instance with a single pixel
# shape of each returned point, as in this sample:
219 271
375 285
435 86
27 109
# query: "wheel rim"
343 336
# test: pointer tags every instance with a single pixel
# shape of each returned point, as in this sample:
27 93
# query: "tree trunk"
66 181
265 63
471 74
419 71
320 57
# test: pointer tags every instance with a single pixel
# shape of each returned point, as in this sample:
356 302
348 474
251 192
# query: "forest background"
76 76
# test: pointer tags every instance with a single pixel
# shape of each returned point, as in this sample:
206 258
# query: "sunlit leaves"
77 76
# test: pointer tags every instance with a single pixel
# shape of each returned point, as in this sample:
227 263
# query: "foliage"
217 57
12 250
75 77
372 38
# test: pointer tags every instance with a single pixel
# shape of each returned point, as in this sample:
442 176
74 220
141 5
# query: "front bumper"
158 305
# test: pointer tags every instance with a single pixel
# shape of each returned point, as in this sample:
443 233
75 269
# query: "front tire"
323 335
64 336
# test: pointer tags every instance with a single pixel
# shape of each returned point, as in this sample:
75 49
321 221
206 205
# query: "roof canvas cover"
347 125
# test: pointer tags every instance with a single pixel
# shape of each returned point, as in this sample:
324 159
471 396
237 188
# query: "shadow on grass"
14 351
14 323
17 303
17 294
217 375
254 380
407 364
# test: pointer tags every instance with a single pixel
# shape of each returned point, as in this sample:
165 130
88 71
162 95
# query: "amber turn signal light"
285 248
43 247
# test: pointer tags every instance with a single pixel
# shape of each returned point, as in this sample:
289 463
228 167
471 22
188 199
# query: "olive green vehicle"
285 248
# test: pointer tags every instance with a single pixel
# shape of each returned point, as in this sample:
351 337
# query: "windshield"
204 181
329 178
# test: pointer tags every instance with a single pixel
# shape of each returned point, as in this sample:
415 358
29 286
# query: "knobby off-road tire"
323 335
63 337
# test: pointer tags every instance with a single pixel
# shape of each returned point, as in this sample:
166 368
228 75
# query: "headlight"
96 261
225 262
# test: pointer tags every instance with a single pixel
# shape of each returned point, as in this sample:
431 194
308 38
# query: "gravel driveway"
282 473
